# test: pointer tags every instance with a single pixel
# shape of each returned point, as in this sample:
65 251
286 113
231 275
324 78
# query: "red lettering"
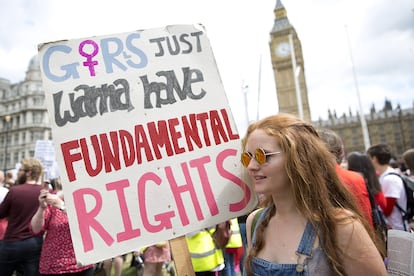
172 123
70 158
127 145
159 138
111 156
203 117
217 127
86 156
114 148
141 141
191 132
233 136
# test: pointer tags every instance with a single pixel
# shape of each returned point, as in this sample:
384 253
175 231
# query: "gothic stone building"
24 119
392 126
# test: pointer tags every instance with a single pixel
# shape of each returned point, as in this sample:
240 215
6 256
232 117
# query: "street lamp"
7 119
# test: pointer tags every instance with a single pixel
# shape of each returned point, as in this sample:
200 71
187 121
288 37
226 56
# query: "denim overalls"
308 262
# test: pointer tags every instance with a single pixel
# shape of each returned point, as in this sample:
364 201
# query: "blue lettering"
137 51
70 69
110 58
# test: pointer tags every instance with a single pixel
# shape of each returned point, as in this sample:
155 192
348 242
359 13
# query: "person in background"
117 262
57 256
359 162
395 165
242 226
154 258
205 257
391 185
401 164
231 251
56 184
408 157
20 248
310 221
354 181
9 182
3 193
3 189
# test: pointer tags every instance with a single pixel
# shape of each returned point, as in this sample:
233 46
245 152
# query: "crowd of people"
317 212
35 234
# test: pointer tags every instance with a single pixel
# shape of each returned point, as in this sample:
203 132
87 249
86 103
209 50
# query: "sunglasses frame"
256 152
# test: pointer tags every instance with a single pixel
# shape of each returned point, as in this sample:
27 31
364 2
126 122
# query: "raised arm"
38 218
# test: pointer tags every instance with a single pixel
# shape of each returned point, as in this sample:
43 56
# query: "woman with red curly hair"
310 224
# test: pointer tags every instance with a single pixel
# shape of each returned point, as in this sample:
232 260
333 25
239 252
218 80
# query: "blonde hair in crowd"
315 186
35 168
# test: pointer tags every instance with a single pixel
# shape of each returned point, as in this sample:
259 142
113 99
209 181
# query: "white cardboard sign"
45 152
144 137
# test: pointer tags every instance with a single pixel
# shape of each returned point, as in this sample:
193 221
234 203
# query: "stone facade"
23 103
288 65
392 126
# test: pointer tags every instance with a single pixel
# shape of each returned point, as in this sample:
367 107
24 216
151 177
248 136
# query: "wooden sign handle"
181 255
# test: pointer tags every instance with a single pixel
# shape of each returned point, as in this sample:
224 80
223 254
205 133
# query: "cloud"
380 32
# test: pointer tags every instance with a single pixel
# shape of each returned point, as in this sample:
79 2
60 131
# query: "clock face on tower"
282 49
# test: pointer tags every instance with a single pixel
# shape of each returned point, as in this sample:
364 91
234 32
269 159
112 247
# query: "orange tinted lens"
260 156
245 159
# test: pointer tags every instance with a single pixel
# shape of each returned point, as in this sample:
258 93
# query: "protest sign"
144 137
45 152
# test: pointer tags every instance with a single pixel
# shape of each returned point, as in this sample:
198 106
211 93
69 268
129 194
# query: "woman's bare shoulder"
359 253
252 215
249 222
351 232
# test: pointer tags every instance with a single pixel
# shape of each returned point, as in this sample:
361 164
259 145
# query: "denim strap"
307 241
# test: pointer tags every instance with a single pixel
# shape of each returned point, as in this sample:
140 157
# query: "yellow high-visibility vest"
235 239
204 255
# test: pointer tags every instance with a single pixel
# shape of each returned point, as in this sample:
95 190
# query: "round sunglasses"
259 155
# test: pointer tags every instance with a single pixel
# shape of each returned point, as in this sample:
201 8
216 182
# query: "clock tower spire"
288 65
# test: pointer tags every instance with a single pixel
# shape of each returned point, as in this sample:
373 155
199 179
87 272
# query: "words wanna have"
146 143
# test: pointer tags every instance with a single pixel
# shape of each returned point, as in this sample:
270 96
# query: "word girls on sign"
144 137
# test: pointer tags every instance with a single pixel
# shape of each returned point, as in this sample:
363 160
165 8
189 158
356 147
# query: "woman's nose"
253 165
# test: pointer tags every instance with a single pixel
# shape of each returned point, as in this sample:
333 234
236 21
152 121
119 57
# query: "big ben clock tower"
288 66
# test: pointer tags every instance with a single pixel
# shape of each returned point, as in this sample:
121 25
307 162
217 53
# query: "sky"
380 49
